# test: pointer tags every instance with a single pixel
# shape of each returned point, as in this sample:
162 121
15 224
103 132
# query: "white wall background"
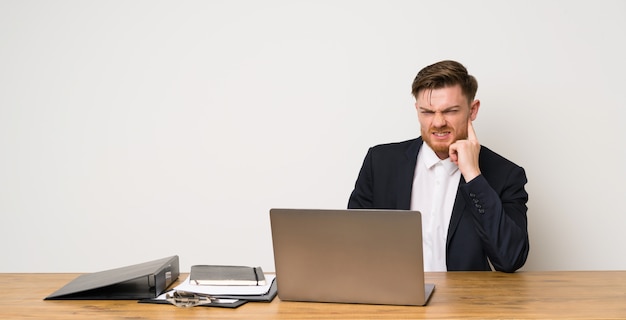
134 130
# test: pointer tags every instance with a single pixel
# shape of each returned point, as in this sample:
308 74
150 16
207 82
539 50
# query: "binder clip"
186 299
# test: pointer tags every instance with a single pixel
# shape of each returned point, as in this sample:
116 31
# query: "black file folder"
139 281
240 299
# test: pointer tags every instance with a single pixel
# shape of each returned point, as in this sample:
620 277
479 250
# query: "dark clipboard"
241 299
214 304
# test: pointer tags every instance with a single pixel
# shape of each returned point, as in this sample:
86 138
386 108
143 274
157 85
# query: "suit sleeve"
500 218
362 196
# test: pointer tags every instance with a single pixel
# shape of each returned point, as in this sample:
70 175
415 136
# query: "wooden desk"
466 295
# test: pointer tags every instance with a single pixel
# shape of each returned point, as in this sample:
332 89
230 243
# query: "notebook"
349 256
221 275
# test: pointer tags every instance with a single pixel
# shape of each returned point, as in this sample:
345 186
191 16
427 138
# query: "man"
472 200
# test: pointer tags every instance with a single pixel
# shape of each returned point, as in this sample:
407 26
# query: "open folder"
139 281
225 296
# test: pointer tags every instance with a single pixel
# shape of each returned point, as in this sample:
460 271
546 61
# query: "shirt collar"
430 159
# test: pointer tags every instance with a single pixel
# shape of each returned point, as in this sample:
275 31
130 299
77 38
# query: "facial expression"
443 115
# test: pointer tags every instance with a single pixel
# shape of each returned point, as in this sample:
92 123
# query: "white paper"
227 290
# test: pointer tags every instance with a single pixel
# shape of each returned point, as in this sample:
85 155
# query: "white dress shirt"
434 190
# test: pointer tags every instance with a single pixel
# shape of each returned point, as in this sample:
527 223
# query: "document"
217 296
227 290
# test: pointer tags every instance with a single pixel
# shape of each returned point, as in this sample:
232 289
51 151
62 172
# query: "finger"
452 152
454 158
471 134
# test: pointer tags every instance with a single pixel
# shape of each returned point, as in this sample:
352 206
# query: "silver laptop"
349 256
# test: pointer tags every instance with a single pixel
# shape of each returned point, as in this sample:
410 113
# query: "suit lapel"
457 211
406 172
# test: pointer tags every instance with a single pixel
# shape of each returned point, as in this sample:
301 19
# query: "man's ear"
474 109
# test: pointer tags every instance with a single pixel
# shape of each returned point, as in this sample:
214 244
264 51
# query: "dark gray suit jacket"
488 220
